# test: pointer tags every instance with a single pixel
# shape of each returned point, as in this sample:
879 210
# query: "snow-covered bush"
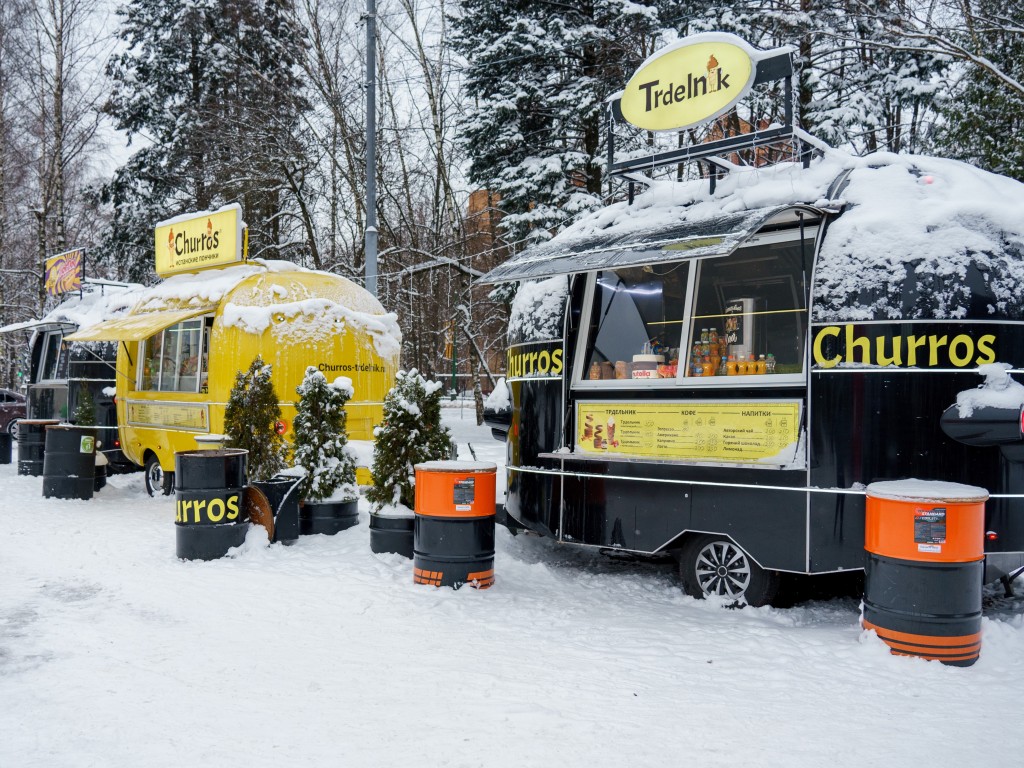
321 438
250 421
411 433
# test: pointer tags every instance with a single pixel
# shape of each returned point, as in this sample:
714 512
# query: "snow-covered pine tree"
410 434
214 87
250 420
857 84
321 437
984 117
537 77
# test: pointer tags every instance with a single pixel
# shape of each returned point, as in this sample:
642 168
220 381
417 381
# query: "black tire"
715 565
156 479
12 428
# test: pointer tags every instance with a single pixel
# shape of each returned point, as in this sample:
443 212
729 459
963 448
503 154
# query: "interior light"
991 536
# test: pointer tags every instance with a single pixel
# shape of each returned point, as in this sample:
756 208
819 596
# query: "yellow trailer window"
173 359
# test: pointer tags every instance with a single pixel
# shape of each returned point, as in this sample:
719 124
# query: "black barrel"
32 445
5 448
282 492
327 517
391 534
210 517
453 533
69 462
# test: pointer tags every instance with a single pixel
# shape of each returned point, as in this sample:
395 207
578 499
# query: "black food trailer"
60 371
717 370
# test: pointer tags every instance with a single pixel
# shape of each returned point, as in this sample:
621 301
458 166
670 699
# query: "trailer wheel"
715 565
155 480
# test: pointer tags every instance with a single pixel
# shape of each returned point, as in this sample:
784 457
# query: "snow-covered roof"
904 218
94 305
258 294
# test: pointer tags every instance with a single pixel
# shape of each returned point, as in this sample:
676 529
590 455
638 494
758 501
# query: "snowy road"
114 653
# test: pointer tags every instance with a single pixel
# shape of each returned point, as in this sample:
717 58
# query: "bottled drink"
770 363
730 366
704 336
762 365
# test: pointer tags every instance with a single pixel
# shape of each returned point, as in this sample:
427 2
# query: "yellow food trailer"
185 340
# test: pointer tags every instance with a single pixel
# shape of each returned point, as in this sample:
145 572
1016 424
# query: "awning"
718 236
39 325
135 327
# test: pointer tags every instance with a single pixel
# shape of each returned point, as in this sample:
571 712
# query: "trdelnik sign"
691 81
199 240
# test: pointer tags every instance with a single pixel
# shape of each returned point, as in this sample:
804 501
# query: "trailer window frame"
581 355
181 362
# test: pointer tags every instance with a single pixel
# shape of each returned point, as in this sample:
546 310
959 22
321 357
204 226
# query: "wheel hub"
723 569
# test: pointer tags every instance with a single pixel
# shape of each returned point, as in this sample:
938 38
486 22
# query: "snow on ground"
114 653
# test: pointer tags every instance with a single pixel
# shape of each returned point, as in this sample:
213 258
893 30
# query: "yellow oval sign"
690 82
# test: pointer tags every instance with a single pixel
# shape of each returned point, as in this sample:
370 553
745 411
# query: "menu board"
709 430
175 415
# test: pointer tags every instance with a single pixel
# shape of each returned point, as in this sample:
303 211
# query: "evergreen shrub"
410 434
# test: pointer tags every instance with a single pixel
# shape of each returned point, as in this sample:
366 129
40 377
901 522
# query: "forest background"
490 128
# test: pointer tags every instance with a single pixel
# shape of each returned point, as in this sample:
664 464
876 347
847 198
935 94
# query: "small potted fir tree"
251 418
410 434
85 416
252 422
328 488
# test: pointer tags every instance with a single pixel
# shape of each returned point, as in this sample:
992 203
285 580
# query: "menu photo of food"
600 436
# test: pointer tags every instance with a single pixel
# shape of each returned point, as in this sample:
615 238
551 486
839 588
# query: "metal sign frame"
769 69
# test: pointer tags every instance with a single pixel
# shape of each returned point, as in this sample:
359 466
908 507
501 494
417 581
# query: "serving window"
175 359
739 315
750 312
636 323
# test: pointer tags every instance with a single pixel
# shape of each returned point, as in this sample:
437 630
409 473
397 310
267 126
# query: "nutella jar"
646 366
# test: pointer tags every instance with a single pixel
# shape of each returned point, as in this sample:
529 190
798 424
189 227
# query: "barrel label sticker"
937 549
88 444
212 511
930 527
465 492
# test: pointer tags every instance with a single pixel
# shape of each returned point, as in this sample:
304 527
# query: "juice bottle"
703 335
713 337
770 363
730 366
762 365
741 365
708 368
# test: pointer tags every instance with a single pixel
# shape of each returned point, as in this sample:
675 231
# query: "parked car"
12 410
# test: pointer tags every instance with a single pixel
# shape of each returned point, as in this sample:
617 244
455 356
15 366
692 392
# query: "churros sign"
64 272
200 240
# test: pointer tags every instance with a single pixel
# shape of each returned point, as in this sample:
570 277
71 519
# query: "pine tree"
984 118
411 433
85 408
538 75
321 437
250 419
213 85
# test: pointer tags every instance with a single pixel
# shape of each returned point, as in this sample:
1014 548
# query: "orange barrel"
453 533
924 545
